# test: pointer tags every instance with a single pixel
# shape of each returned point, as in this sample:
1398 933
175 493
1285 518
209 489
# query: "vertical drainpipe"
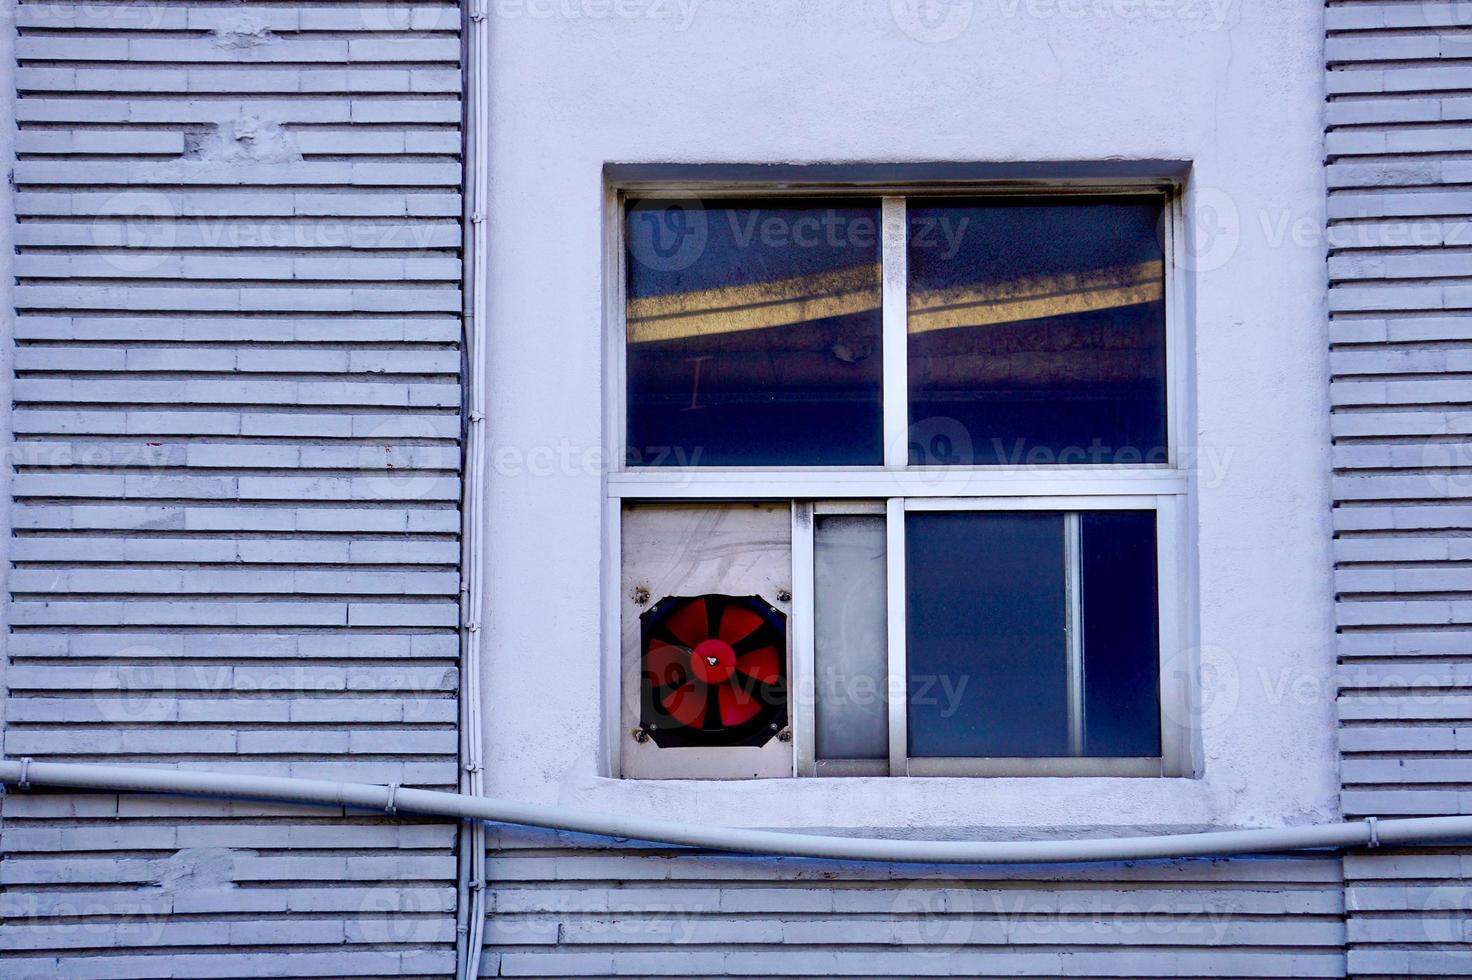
470 906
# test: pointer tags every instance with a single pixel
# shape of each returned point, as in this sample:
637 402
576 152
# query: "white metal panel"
691 550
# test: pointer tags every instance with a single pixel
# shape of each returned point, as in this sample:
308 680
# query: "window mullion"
803 697
896 387
1179 661
1073 629
898 685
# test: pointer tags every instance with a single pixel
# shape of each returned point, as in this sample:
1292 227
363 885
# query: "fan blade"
737 707
689 623
738 622
762 663
687 704
666 664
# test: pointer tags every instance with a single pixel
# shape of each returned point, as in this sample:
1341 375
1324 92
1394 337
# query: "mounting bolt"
640 735
785 735
641 594
783 595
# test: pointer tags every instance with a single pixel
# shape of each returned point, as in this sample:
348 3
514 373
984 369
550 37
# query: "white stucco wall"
1234 90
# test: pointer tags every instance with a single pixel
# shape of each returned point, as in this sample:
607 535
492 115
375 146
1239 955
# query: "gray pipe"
394 798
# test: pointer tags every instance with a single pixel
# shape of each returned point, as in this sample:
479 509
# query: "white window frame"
897 488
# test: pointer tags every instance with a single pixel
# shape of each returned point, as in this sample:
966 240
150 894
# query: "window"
927 441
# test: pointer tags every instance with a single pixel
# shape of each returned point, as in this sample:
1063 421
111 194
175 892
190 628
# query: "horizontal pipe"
1415 830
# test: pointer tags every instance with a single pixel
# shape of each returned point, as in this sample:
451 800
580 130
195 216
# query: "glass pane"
850 646
1121 634
753 333
987 647
1037 331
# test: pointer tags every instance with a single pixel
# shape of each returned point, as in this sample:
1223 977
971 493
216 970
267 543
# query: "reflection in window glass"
753 333
1037 331
1121 634
850 653
990 658
987 647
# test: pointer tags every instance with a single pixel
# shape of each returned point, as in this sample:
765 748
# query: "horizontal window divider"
1033 767
736 188
915 484
849 507
1051 501
848 768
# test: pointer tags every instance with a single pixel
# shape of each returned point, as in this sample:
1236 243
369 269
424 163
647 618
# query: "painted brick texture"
1400 96
564 905
236 481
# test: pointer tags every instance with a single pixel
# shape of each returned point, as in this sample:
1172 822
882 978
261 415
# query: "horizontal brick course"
1399 297
236 481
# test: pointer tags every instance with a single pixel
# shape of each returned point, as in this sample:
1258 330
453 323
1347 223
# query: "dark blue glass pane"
987 653
1037 331
753 333
1121 630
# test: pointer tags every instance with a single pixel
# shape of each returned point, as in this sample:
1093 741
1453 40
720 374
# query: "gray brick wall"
565 905
1400 228
236 479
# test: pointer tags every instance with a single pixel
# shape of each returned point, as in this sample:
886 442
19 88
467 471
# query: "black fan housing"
714 671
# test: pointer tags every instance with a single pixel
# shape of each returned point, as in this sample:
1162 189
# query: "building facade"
323 395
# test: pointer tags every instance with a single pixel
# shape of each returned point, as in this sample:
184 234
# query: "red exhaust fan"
715 671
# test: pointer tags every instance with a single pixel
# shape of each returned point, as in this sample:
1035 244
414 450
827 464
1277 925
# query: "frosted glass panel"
850 660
